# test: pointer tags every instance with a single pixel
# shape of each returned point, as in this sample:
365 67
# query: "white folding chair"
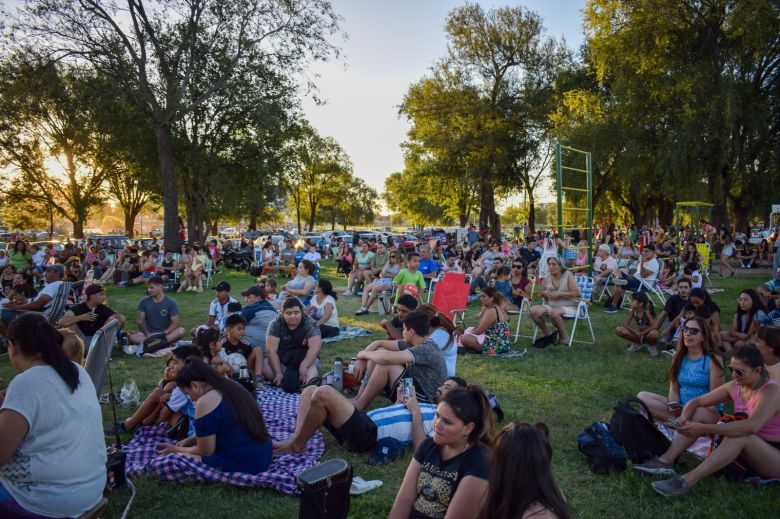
653 291
585 283
525 308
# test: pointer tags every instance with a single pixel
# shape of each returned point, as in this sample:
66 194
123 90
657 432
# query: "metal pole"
589 164
560 189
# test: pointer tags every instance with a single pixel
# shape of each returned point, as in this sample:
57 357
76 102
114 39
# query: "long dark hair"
470 405
439 320
757 305
240 404
34 337
521 474
707 346
327 288
205 337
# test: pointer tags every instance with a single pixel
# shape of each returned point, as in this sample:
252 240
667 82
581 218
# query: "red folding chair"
451 296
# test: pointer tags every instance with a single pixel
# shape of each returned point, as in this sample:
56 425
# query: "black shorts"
392 392
357 434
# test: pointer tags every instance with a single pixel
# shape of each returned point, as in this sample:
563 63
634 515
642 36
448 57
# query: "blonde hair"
73 345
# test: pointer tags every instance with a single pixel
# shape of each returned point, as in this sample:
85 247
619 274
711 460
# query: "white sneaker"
634 348
347 293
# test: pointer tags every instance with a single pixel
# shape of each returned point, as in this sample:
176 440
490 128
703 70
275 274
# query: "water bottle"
351 368
338 375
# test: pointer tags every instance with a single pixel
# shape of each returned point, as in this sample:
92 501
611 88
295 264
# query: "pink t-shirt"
771 429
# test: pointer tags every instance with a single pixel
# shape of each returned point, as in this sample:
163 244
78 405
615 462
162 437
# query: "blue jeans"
9 315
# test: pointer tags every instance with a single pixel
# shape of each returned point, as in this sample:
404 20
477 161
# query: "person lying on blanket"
387 363
230 433
166 403
408 421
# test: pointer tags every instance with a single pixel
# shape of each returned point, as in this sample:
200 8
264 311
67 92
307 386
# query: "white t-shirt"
38 258
319 311
696 279
219 311
441 337
602 267
653 266
314 257
50 289
60 467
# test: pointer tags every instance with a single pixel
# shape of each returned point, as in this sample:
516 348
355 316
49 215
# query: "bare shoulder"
207 403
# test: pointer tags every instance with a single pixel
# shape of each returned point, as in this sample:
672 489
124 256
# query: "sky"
392 44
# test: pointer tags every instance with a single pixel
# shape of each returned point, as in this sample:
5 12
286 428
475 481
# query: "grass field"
566 388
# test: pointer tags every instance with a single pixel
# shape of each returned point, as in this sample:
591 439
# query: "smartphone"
407 390
674 424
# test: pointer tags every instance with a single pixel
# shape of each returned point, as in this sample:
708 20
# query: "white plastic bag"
129 394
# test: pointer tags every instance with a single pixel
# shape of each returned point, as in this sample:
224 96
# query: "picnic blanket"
279 410
349 332
701 448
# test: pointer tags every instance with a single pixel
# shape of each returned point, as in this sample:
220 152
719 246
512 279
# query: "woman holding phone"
696 370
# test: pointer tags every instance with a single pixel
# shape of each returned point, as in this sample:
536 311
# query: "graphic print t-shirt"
439 479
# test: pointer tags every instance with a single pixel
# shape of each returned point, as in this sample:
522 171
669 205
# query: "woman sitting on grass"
443 334
322 308
750 311
752 443
696 370
645 334
491 334
448 473
521 483
230 434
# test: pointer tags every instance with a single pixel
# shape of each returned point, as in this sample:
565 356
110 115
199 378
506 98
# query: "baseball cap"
222 286
91 290
57 268
254 291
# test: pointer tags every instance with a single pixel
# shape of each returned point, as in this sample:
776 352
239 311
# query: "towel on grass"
349 332
279 410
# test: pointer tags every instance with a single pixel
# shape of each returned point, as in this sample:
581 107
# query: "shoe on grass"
653 351
669 352
634 348
620 282
672 487
347 293
655 467
362 311
610 309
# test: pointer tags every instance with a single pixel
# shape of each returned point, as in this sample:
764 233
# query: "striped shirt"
395 421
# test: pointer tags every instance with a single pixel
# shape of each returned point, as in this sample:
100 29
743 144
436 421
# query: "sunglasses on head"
692 331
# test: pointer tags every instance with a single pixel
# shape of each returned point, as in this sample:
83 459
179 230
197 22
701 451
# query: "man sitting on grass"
393 327
407 422
157 315
386 363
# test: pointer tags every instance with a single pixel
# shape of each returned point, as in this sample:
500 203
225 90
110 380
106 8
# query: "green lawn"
566 388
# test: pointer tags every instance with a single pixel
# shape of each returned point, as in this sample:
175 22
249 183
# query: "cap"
91 290
386 450
604 248
222 286
57 268
254 291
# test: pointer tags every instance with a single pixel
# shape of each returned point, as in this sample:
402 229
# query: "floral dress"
497 337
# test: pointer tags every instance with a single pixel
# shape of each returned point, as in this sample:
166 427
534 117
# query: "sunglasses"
518 266
393 257
738 372
692 331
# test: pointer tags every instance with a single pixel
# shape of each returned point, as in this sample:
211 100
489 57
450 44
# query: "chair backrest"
450 295
58 302
454 277
100 353
532 279
585 283
704 251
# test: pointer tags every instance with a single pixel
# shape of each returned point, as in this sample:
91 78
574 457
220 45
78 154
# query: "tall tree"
153 53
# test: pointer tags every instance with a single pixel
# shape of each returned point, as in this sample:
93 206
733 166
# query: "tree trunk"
170 190
213 230
253 219
531 211
488 218
298 215
130 216
78 227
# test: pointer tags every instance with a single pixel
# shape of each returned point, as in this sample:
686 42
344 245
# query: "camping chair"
706 260
654 292
525 308
585 284
432 286
307 300
100 353
451 296
385 300
58 303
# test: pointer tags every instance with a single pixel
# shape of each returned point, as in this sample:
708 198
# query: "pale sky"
392 44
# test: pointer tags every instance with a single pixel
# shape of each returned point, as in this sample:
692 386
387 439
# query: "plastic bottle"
338 374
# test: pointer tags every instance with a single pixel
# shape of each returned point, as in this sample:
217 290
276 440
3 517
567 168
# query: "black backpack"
635 430
602 451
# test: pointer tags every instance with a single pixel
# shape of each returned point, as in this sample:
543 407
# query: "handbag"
325 490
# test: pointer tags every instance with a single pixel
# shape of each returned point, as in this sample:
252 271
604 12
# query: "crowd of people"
275 338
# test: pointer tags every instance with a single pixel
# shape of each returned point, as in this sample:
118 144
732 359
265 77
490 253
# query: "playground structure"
574 180
690 213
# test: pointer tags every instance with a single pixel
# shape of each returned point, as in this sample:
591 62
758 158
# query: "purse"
325 490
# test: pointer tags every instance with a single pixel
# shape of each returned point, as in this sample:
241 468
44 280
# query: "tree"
153 54
48 121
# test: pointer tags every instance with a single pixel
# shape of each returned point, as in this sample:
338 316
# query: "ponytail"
34 337
470 404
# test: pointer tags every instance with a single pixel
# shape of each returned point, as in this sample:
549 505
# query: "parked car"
43 245
118 242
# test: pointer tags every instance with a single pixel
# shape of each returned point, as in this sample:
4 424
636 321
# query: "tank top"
561 286
694 378
771 429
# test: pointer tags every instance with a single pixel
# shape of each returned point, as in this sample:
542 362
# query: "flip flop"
361 486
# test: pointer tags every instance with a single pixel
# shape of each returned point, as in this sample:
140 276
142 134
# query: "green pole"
589 167
560 189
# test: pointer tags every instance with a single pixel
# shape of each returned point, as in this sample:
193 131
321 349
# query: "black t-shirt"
242 347
529 256
439 479
89 328
674 305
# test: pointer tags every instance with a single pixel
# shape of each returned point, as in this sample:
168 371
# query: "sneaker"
653 351
610 309
620 282
347 293
655 467
672 487
362 311
669 352
634 348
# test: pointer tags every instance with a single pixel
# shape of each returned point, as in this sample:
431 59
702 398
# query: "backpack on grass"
635 430
603 453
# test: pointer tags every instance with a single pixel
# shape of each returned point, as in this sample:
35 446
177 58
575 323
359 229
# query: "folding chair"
451 296
58 303
653 291
432 286
706 260
585 283
525 308
100 353
384 302
313 288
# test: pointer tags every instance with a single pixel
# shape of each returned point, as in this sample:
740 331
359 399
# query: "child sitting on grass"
644 334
